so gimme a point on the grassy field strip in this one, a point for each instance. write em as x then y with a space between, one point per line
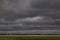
29 37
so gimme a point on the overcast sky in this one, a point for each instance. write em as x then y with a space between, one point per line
30 14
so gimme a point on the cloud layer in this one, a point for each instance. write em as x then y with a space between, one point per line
30 8
29 15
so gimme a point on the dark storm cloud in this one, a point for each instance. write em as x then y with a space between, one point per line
19 9
28 9
16 27
46 4
31 15
48 8
40 3
35 23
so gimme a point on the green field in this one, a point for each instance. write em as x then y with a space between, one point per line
29 37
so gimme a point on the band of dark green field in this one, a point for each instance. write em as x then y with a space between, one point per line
29 37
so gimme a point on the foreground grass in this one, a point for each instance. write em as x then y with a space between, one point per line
29 37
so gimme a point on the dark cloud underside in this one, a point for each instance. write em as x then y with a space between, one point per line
49 8
29 15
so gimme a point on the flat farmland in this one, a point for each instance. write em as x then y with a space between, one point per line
29 37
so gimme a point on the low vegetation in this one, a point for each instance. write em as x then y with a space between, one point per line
29 37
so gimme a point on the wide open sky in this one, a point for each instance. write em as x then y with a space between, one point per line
29 15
